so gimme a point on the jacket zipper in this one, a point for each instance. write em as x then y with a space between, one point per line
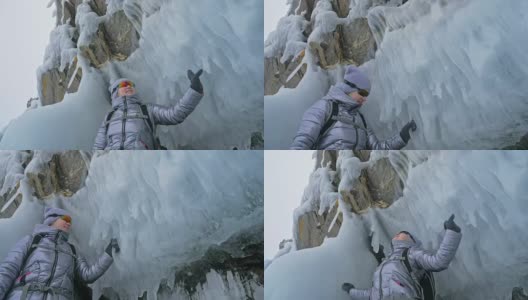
54 265
123 126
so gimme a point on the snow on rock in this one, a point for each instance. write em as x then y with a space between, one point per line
435 62
288 40
70 124
485 191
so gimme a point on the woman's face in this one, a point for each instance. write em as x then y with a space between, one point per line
402 237
60 224
126 91
358 98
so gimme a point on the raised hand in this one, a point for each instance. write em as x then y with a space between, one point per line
405 132
196 84
451 225
113 244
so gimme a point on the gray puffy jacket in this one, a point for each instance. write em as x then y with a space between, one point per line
128 128
348 132
392 280
52 264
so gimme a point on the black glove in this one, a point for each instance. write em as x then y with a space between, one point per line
347 287
195 80
404 133
380 255
113 244
451 225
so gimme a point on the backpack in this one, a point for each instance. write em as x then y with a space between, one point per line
144 110
426 282
34 244
331 120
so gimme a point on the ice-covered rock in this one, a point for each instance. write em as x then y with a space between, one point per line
484 189
431 61
184 231
153 43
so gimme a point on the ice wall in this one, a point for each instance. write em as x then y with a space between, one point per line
456 67
166 210
486 192
221 37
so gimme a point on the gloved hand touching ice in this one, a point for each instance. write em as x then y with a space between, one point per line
405 132
113 244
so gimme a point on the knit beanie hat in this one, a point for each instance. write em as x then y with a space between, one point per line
356 76
52 214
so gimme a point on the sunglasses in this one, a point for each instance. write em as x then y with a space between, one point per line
125 84
65 218
362 92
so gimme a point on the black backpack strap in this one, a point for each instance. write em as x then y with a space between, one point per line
363 119
107 120
405 256
144 110
157 143
34 244
73 249
330 121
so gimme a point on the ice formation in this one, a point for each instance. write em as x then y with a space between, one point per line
165 209
484 189
222 37
456 67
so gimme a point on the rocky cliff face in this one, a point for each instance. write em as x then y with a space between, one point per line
49 175
351 41
115 38
234 266
379 185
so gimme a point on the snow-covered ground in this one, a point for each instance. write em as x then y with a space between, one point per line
486 190
223 37
458 68
166 209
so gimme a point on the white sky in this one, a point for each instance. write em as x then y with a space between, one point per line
24 27
273 11
286 174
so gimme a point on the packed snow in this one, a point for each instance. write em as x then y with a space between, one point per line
486 192
458 68
165 209
222 37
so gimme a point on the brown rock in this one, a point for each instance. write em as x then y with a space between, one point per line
121 36
97 51
306 8
10 210
277 74
328 51
348 44
341 7
325 157
359 197
73 77
98 6
358 42
313 228
64 173
53 85
384 183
